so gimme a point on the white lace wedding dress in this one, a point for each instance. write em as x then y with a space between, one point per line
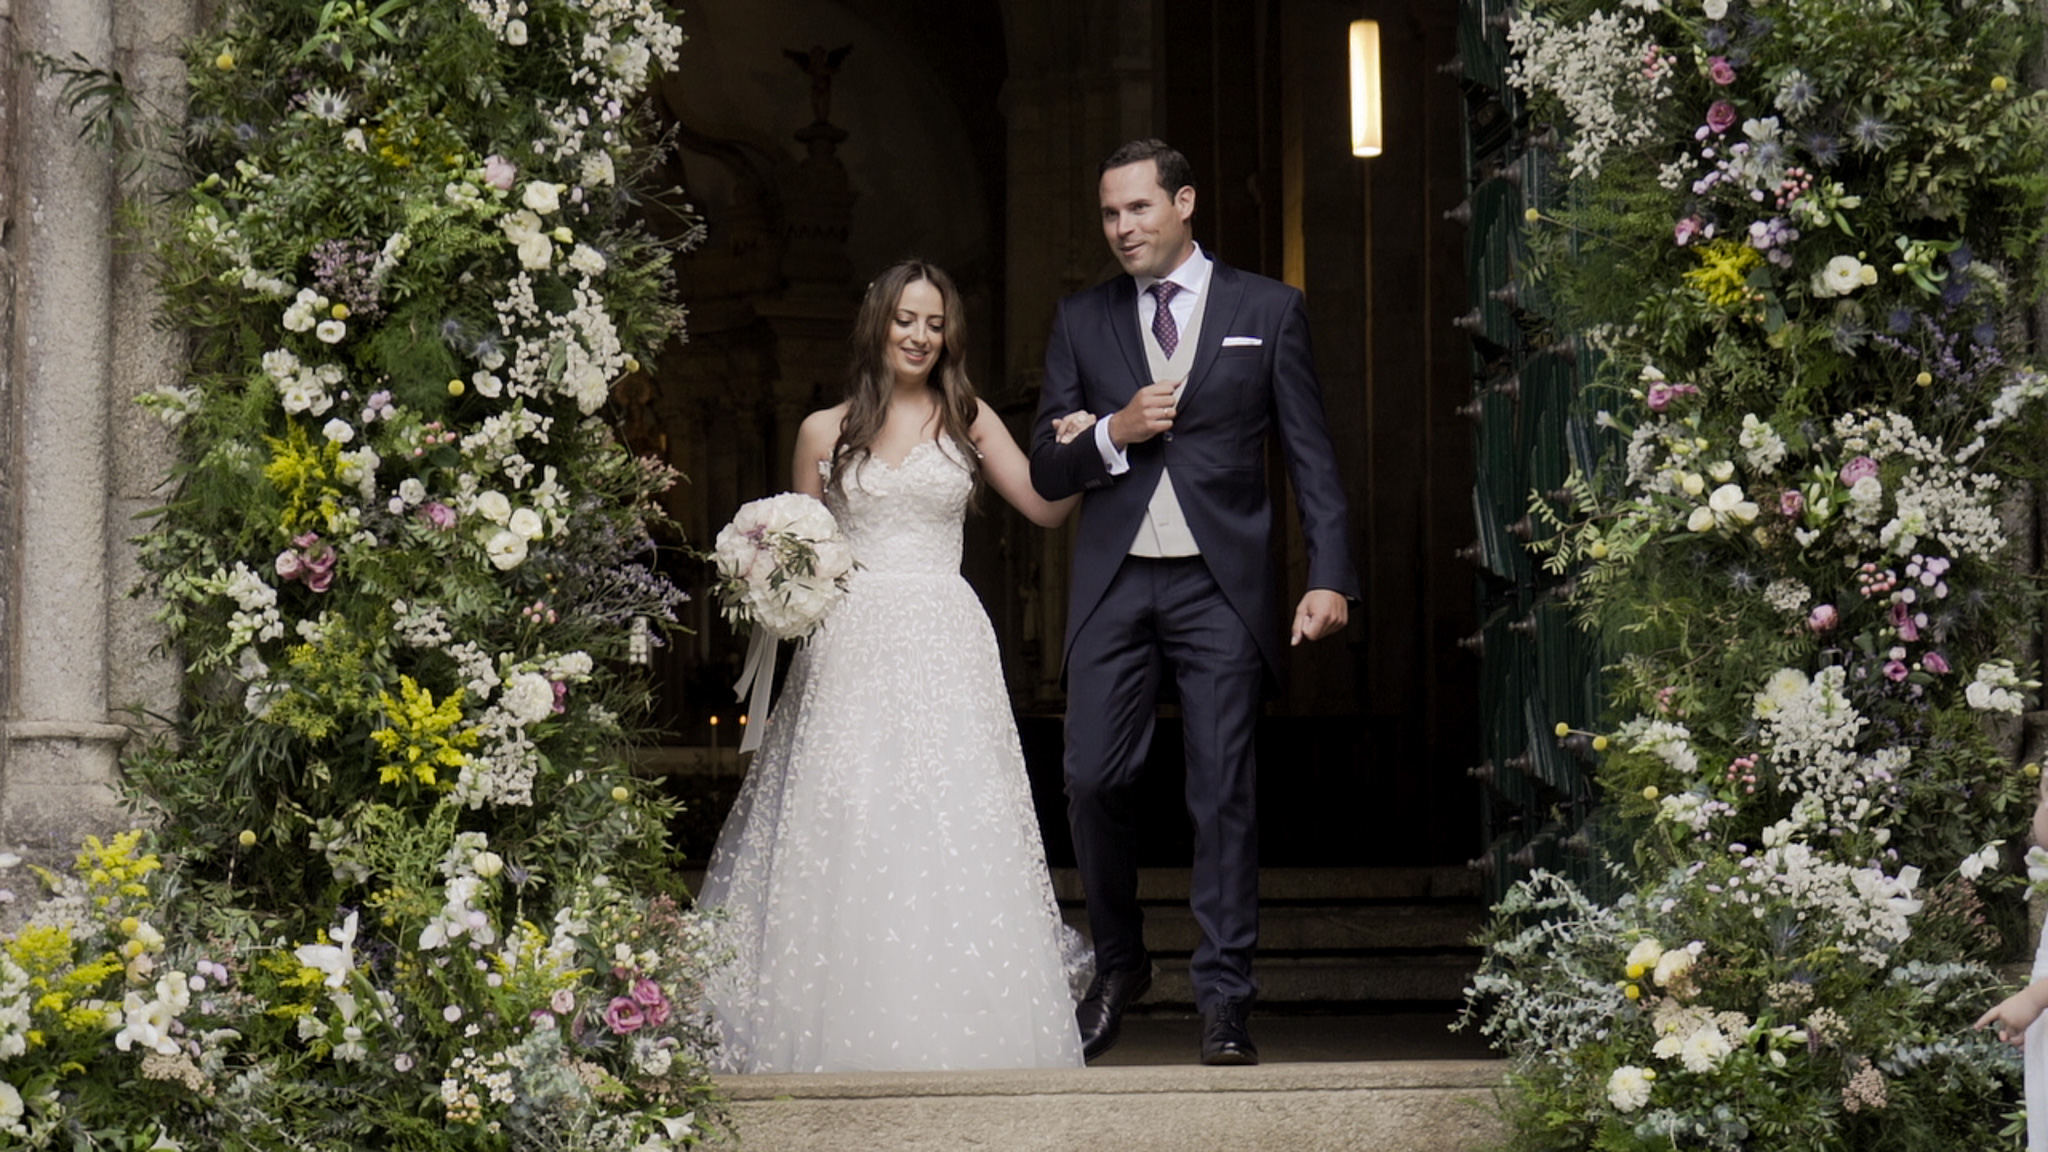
881 874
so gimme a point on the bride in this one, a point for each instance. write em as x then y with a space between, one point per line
884 888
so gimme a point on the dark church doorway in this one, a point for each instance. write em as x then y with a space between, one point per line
968 132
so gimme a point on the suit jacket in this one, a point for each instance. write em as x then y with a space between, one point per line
1236 396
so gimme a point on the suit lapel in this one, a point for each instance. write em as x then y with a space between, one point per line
1226 291
1123 320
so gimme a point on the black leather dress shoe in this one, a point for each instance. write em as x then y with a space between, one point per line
1225 1039
1101 1014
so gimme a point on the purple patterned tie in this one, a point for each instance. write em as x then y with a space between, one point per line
1164 329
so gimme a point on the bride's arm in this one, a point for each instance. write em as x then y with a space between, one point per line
1008 471
814 440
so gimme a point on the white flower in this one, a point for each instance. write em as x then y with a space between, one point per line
536 251
1714 9
330 331
494 506
515 32
1672 966
597 169
542 197
337 960
488 864
338 430
1842 275
1628 1088
411 491
1703 1051
587 260
1644 955
355 141
1974 864
507 550
1727 504
529 698
1701 520
525 522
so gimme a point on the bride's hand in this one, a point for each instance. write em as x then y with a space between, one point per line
1067 427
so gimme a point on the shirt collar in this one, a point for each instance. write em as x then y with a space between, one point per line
1192 275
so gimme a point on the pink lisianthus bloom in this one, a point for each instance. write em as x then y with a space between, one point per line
561 695
1823 618
1903 620
499 172
1660 396
1683 231
1720 70
623 1016
649 996
1791 502
289 564
1721 116
1935 662
1857 469
1896 670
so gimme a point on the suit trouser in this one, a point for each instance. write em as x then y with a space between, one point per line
1167 614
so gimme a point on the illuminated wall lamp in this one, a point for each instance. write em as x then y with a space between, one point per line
1366 136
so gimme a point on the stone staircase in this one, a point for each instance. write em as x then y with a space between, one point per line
1360 969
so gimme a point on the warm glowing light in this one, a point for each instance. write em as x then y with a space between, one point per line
1366 136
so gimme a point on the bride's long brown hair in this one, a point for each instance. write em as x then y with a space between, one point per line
869 381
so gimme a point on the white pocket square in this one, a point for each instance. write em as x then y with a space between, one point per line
1242 341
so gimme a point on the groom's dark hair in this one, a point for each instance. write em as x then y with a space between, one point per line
1175 173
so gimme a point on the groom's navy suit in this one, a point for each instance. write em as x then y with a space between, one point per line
1212 621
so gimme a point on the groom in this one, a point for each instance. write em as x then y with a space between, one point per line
1190 365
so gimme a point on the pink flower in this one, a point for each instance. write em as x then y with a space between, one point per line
623 1016
1720 116
289 565
1902 619
1895 670
499 172
319 579
563 1001
1935 663
1791 502
1721 70
438 514
1823 618
1857 469
561 694
1660 397
1683 231
648 995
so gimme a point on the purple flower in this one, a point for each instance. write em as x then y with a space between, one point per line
648 995
1720 70
623 1016
438 514
1935 663
1661 395
1683 231
561 695
1791 502
1902 619
1895 670
1720 116
289 564
500 172
1823 618
319 579
1858 469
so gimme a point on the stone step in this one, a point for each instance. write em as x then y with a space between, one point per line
1327 980
1384 1106
1343 885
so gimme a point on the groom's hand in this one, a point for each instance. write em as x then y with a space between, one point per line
1322 613
1149 413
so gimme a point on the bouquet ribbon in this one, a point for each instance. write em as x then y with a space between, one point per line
759 675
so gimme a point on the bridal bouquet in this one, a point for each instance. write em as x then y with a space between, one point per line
782 565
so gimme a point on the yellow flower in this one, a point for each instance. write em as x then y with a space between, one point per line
455 387
421 736
1650 792
247 839
1598 551
1723 273
1599 743
1632 991
620 794
1924 379
1563 729
1999 83
1532 215
339 311
2030 770
225 61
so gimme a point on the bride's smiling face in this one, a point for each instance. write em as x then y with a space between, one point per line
917 332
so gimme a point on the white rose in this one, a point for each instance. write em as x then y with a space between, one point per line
536 252
515 32
411 491
1715 9
542 196
1841 276
493 506
338 430
507 551
525 522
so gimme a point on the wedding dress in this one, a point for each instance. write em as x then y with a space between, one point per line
883 886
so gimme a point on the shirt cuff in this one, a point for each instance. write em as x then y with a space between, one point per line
1113 458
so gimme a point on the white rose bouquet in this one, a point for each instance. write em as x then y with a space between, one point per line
782 565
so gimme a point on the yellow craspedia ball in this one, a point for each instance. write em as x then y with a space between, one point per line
1635 971
1633 992
632 364
456 388
2030 770
1599 743
619 793
1598 551
1924 379
1563 729
1650 792
1999 83
225 61
130 926
247 839
1532 215
339 311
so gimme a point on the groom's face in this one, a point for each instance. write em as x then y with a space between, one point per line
1146 226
